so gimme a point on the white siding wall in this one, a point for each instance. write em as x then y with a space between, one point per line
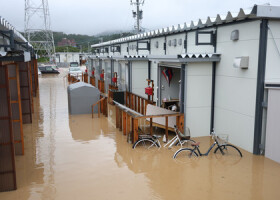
198 83
235 97
124 49
159 50
178 49
139 76
272 73
132 51
121 75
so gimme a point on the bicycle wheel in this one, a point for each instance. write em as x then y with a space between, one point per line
145 143
228 150
185 151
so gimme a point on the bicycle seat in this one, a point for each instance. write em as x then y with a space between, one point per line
195 144
156 136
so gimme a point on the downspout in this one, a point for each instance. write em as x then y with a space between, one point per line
260 86
214 64
149 70
182 100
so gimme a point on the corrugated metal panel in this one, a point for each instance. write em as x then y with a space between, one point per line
258 11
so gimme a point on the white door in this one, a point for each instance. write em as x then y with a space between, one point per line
272 147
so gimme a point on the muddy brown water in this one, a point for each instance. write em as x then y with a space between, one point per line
77 157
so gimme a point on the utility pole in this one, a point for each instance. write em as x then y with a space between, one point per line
37 27
138 15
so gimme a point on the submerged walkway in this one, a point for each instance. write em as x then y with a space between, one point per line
77 157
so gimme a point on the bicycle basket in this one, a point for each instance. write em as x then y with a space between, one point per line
222 138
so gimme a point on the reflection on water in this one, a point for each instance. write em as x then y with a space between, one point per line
77 157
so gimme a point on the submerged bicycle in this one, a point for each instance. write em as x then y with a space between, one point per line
224 148
147 142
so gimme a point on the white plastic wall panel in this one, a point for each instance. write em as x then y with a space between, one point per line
198 83
124 49
272 148
235 96
160 49
193 48
132 51
272 73
178 49
139 76
121 75
154 77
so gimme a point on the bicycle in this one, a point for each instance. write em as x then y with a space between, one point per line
224 148
179 138
147 142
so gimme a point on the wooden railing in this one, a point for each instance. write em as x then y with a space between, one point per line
101 86
137 103
92 81
85 77
99 107
129 121
110 94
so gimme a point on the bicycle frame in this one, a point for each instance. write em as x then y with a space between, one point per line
210 148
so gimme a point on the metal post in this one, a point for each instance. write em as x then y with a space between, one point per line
182 100
260 86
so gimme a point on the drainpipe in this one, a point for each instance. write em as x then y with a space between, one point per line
149 70
260 86
214 64
182 103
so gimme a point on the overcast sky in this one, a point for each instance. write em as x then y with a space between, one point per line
96 16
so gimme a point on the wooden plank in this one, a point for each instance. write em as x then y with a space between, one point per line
180 120
120 118
12 78
166 128
135 130
14 102
151 126
117 117
162 115
142 106
135 103
4 118
124 122
138 101
128 129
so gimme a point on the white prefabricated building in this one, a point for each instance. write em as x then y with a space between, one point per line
218 66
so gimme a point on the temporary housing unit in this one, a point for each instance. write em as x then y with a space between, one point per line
81 96
18 86
215 69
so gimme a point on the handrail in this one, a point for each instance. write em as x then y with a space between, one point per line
92 106
161 115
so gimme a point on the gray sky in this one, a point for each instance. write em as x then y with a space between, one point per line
96 16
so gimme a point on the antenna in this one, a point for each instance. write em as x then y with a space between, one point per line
138 14
37 27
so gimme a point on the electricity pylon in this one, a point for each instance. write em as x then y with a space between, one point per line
37 27
138 14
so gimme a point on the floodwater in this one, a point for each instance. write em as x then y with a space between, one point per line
77 157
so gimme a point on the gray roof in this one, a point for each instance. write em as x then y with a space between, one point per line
6 26
257 11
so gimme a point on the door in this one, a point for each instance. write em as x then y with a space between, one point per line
272 147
